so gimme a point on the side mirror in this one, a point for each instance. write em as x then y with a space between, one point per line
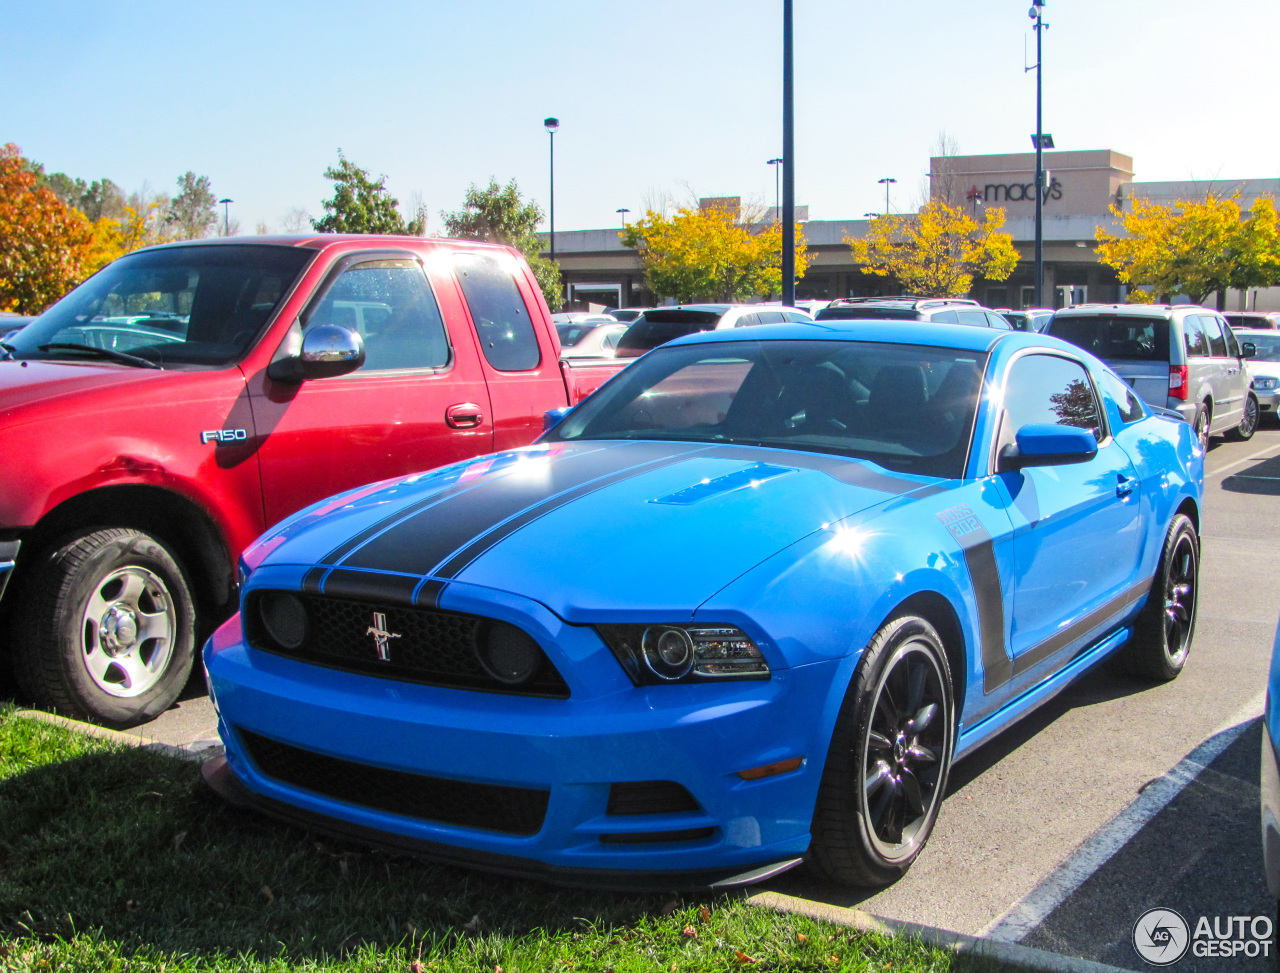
327 350
1048 445
552 417
1248 349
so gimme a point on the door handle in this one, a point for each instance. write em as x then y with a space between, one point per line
1125 485
463 415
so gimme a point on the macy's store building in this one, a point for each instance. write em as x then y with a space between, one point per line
1082 188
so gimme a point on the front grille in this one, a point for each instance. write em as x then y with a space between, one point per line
433 647
650 797
656 837
488 807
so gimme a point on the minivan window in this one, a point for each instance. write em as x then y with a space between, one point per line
1233 349
1193 336
1213 329
501 318
977 318
946 317
1115 336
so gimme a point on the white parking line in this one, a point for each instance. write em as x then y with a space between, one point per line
1024 916
1263 454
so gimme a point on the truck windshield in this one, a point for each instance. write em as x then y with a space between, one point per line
908 408
196 305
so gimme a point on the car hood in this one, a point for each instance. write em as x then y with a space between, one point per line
1270 368
29 382
594 531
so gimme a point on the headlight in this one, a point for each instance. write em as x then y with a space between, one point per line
656 654
1265 383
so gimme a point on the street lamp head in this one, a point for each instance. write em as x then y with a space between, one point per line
225 200
773 162
551 124
886 179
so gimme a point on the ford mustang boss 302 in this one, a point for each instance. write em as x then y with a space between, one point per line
744 605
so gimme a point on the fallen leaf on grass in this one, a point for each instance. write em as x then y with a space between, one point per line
670 907
473 926
267 893
131 905
178 839
690 932
415 966
705 914
742 957
801 937
833 959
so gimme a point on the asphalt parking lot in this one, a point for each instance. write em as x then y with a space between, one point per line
1115 798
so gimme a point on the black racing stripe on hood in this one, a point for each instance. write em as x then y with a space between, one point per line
844 469
420 543
354 542
428 596
486 541
396 589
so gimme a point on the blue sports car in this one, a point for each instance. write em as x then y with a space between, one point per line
741 607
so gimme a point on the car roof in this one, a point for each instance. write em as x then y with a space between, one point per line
321 241
1146 310
871 330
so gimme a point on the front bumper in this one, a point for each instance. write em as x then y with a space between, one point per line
1268 400
8 558
698 736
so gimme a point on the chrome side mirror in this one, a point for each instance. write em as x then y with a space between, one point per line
327 350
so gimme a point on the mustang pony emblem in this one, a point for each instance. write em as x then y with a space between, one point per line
381 636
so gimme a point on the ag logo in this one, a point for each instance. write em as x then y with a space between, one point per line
1161 936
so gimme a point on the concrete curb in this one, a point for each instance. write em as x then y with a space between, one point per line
198 751
1008 954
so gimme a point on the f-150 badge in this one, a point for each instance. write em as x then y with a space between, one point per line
224 436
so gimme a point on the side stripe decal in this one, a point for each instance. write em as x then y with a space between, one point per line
1059 641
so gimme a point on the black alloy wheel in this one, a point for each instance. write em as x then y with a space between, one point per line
1164 630
889 758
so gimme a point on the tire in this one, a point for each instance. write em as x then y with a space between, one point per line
890 754
1201 427
1248 422
1163 632
108 631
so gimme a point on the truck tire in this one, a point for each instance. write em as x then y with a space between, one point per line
107 633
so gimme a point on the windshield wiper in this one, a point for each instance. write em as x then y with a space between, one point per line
119 356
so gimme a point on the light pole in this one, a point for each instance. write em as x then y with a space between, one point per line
623 211
788 163
777 192
887 181
551 125
226 215
1042 142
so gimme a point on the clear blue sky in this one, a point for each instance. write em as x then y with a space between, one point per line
657 97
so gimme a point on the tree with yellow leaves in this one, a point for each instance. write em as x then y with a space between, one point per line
706 255
937 251
1193 248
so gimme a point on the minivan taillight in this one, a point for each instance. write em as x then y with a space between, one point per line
1178 382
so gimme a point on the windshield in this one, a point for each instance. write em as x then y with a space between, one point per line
906 407
845 312
183 305
657 327
1268 346
572 334
1115 336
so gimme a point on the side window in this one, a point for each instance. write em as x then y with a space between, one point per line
1233 349
1129 405
1193 335
1213 330
1046 389
946 317
746 320
996 321
770 317
797 318
390 304
502 320
972 317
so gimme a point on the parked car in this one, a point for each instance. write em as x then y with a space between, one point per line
1258 320
171 408
1028 319
1180 357
831 565
581 317
1263 368
662 324
628 314
591 339
944 310
11 324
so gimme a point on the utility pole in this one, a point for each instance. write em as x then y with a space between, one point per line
788 164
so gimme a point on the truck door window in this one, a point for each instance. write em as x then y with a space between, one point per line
501 318
390 304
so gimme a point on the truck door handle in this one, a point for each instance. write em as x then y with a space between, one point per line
463 415
1125 485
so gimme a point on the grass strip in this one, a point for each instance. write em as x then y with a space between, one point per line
116 858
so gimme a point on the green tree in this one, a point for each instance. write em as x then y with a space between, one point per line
937 251
97 199
708 255
194 211
362 205
1193 248
498 214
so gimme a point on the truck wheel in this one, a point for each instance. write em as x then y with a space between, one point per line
108 634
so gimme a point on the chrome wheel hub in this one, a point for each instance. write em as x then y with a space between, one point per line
118 630
127 632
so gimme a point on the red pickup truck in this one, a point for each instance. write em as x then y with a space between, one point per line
175 405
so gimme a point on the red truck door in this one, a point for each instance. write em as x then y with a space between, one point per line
419 401
514 334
